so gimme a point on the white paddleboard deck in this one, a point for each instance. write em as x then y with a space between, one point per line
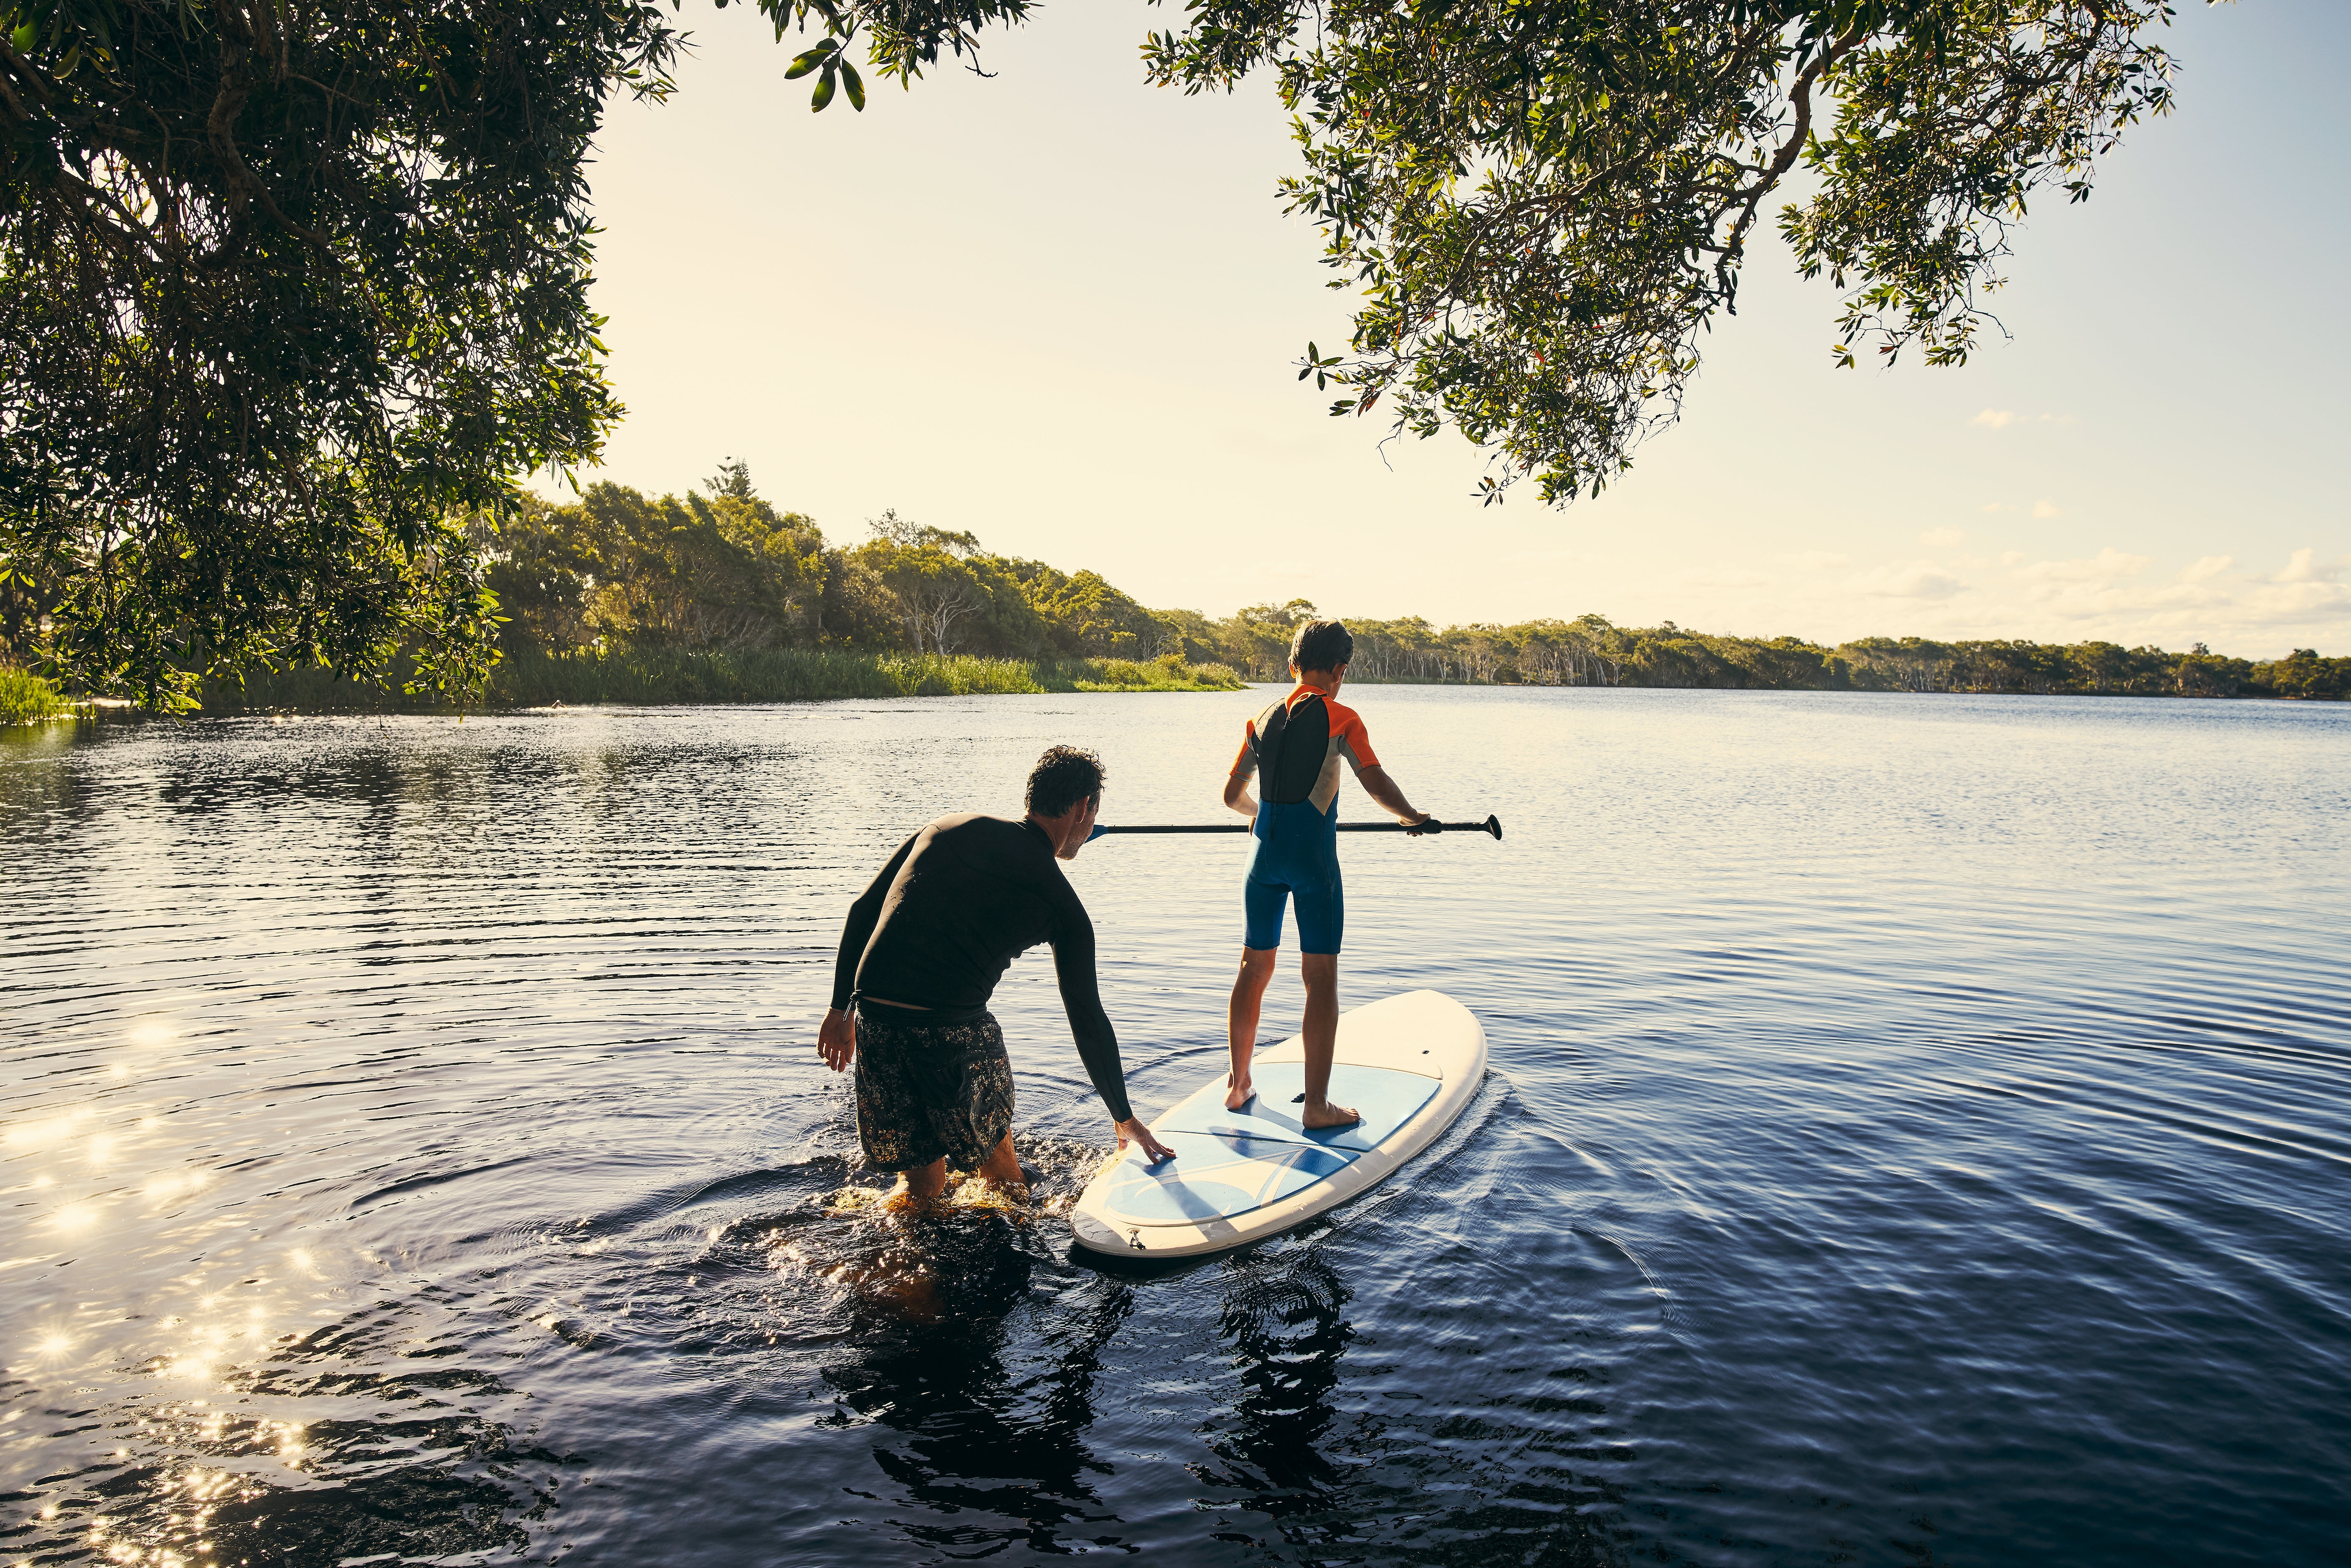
1410 1064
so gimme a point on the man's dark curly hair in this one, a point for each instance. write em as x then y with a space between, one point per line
1063 776
1322 646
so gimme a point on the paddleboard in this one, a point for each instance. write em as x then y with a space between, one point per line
1409 1064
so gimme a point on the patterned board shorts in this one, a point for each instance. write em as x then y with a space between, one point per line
927 1090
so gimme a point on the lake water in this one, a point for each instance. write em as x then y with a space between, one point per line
1917 1134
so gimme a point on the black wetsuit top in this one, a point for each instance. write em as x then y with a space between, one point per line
958 902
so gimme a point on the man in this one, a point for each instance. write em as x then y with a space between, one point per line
1294 748
919 959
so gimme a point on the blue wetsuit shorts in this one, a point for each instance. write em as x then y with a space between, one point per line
1295 855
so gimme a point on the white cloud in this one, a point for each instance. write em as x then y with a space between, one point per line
2001 418
2303 567
1943 538
1920 579
2093 587
2290 599
2108 566
2046 508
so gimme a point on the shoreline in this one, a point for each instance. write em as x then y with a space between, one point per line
656 678
644 678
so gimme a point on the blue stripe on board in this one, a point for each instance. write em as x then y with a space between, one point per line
1387 1098
1218 1176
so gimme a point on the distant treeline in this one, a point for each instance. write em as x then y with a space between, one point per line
716 597
1592 652
728 574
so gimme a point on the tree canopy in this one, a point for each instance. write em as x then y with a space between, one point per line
726 573
290 293
1545 201
293 294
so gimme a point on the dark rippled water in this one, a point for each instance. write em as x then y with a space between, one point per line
1917 1134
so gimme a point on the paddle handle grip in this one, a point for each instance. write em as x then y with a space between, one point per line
1492 825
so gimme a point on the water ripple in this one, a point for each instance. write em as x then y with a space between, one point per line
1917 1134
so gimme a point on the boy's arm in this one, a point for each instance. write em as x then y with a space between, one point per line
1237 795
1383 788
1356 748
1237 782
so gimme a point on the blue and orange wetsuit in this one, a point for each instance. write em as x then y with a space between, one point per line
1295 746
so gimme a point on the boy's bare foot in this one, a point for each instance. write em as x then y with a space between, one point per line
1316 1118
1239 1094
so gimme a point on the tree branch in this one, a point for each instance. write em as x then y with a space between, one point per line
236 87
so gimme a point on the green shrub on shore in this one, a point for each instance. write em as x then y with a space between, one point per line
655 677
27 699
1167 673
646 676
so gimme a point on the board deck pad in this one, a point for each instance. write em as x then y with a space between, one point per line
1385 1098
1409 1064
1215 1176
1230 1162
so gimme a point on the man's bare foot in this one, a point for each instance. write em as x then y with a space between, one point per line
1316 1118
924 1184
1239 1094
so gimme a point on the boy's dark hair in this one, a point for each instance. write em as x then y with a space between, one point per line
1063 776
1323 645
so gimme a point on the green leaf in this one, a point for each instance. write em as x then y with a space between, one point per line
856 88
824 87
25 38
809 59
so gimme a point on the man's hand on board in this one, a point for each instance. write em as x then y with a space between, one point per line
1154 1151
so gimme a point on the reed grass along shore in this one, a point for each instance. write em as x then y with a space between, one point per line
656 677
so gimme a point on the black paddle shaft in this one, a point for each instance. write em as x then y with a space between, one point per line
1490 825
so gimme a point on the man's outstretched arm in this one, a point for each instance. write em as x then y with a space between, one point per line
1073 967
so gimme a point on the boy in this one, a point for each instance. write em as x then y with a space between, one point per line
1294 748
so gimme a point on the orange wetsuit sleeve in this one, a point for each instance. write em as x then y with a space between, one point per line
1245 764
1353 740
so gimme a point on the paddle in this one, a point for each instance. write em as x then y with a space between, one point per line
1490 825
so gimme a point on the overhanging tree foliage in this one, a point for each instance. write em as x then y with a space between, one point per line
1544 201
290 291
291 294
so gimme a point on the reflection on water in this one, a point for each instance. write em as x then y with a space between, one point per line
1916 1135
1284 1316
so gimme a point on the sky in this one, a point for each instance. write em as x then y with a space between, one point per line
1062 309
